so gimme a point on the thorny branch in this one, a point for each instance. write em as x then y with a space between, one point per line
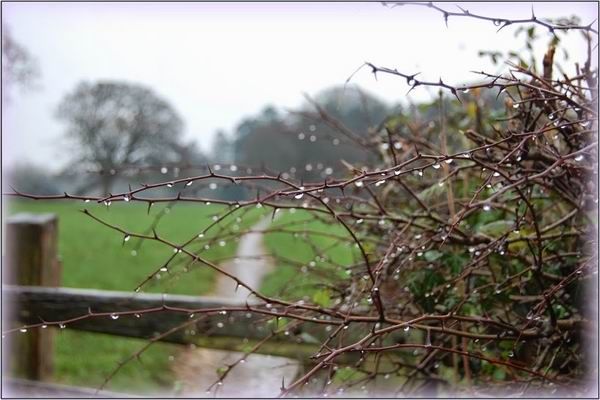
499 261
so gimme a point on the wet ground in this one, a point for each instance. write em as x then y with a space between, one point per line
260 375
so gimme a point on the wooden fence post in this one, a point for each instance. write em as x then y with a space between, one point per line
31 259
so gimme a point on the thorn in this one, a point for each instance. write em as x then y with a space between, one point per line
155 234
149 205
446 19
374 71
413 86
455 95
282 383
589 26
209 170
499 92
532 13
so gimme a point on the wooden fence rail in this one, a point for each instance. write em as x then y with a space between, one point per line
33 305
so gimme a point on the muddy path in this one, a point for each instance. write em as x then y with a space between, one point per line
260 375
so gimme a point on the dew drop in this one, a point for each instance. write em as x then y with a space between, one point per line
436 166
126 198
62 326
579 157
379 183
163 269
189 183
496 174
164 170
23 330
406 328
299 196
358 183
212 186
220 325
114 316
44 326
486 207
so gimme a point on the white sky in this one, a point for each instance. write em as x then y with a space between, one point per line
218 62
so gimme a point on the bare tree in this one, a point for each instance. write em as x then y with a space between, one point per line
115 124
19 67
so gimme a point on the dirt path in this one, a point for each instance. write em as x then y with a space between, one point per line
260 375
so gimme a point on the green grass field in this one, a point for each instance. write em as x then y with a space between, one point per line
95 256
303 271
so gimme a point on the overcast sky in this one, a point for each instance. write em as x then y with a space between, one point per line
218 62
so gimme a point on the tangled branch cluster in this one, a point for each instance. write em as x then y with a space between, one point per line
472 242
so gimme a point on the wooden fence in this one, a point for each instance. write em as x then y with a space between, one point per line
31 294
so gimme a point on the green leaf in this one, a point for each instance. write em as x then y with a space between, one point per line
322 298
433 255
497 228
499 374
308 338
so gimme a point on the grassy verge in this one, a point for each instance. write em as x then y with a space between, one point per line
95 256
